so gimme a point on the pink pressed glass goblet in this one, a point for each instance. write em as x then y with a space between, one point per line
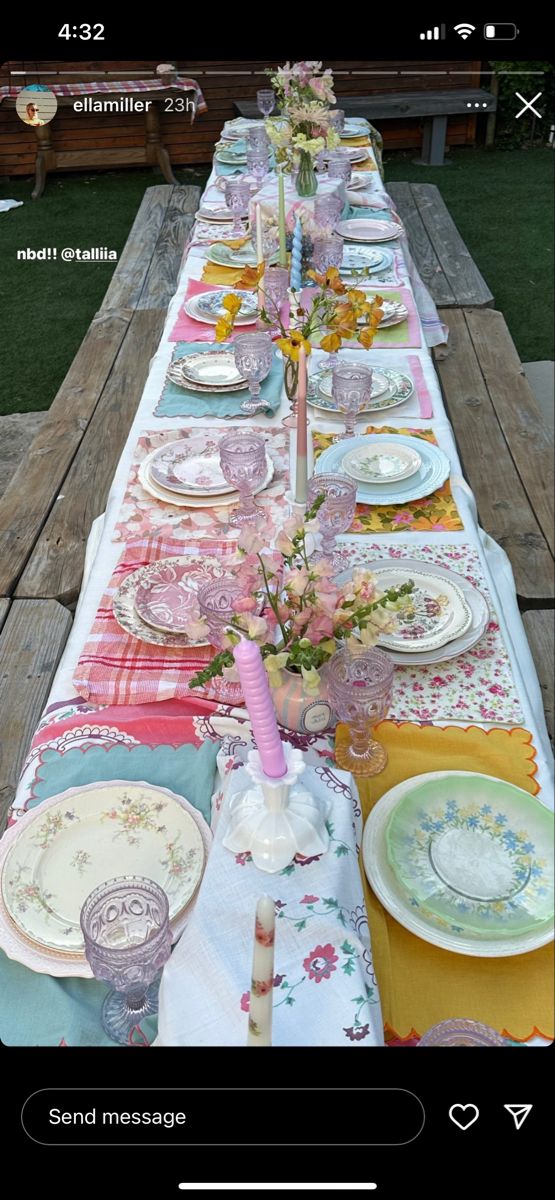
237 196
216 601
266 101
337 512
327 211
257 162
274 285
339 165
359 686
243 463
337 119
352 392
327 252
253 358
126 929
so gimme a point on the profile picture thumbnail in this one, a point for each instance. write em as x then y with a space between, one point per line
36 105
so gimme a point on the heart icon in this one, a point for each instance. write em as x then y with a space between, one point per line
468 1114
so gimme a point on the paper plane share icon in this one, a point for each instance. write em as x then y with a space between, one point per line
519 1112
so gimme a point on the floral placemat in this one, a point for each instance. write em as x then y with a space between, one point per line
437 513
477 686
141 514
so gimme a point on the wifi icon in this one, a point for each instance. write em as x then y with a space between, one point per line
464 30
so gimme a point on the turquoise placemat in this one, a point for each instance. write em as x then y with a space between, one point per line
180 402
39 1010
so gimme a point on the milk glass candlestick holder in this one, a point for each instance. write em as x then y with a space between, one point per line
352 391
359 686
243 463
126 929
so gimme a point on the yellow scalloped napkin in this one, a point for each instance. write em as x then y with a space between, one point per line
363 140
420 984
226 276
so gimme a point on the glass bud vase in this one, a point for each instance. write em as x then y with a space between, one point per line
306 182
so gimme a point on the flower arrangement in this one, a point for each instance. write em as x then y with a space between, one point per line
294 610
338 313
305 94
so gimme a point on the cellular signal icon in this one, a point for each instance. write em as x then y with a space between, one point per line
433 35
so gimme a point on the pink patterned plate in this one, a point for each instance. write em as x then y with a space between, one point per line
190 466
167 598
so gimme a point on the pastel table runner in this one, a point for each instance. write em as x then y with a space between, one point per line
178 401
437 513
419 983
324 985
142 515
116 668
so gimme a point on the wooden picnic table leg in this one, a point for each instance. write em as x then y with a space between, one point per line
433 142
155 149
44 149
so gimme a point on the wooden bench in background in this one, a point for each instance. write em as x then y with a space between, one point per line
48 507
434 107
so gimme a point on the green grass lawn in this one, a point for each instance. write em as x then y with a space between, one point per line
502 203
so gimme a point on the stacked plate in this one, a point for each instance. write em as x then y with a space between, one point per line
209 307
156 603
354 127
364 258
389 388
214 212
232 154
368 229
187 473
394 312
240 256
392 470
209 371
55 856
464 861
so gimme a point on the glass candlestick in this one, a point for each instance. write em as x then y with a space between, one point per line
126 929
359 685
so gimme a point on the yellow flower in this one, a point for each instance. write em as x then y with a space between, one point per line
251 276
232 304
223 329
311 680
331 280
366 337
290 345
274 664
331 342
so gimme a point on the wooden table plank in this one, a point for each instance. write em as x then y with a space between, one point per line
162 274
526 434
540 631
395 105
468 285
31 645
128 280
4 608
56 566
29 497
503 506
421 245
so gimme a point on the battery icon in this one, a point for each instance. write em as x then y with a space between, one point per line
505 32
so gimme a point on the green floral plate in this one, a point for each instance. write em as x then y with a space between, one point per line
70 844
465 861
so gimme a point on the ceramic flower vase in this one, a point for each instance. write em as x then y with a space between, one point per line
306 182
300 710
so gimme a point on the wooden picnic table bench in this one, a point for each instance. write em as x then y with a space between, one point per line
48 508
434 106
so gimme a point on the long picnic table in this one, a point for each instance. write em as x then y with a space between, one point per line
501 732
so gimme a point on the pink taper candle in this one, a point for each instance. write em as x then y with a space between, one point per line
301 471
256 690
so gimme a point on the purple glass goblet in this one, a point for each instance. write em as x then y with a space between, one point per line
266 101
359 686
274 285
335 514
237 196
327 252
253 358
126 929
337 119
459 1031
216 606
339 165
352 392
243 463
257 163
327 211
257 138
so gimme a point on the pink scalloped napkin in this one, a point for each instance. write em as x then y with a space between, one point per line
117 668
186 329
